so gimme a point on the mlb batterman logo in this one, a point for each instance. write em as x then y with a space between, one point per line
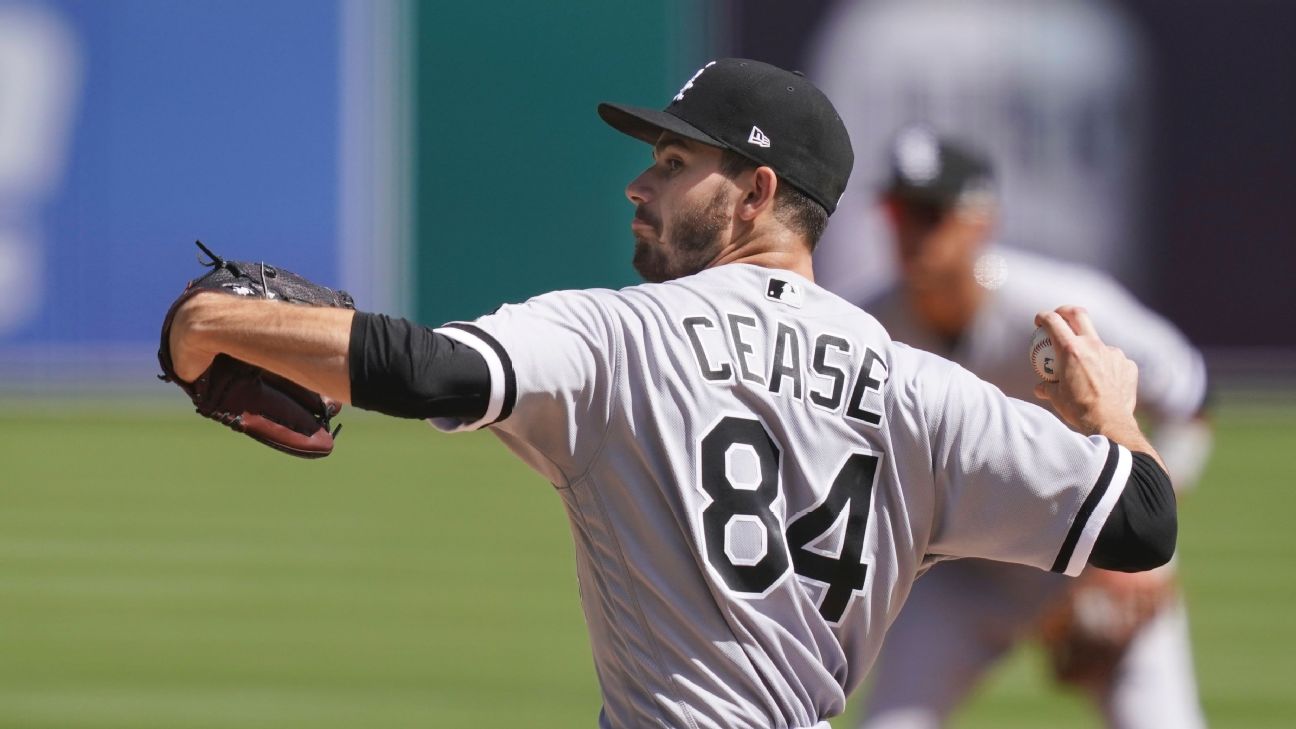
784 292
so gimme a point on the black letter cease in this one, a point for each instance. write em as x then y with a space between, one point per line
691 325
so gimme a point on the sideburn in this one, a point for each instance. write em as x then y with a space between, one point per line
697 232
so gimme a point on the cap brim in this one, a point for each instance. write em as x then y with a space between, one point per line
647 125
938 199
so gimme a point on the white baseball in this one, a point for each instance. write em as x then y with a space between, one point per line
1042 357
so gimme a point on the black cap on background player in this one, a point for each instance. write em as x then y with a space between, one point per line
936 174
774 117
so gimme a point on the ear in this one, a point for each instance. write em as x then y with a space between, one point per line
757 193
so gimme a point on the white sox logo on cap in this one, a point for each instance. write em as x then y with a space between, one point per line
689 84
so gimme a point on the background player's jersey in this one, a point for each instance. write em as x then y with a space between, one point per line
1172 375
755 474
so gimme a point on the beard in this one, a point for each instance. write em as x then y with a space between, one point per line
695 241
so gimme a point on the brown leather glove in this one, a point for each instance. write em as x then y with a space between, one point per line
1086 636
251 400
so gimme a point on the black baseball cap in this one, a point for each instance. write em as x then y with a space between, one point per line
934 171
773 117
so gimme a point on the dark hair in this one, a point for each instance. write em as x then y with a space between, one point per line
792 207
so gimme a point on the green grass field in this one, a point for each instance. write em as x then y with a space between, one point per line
157 572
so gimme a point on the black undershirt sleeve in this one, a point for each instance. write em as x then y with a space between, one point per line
407 370
1141 530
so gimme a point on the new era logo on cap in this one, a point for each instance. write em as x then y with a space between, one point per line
758 138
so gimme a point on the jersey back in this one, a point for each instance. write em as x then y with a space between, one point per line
755 474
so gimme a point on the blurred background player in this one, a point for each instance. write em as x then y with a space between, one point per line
1122 638
1055 91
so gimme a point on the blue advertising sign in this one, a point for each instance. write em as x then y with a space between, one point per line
129 129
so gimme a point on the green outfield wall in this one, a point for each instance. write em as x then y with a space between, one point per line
517 185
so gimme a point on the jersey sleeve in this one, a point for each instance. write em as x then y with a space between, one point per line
1012 482
552 363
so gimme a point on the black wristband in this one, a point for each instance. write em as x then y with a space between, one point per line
408 370
1141 531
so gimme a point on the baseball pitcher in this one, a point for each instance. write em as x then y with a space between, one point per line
753 470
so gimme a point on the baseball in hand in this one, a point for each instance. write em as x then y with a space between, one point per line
1042 357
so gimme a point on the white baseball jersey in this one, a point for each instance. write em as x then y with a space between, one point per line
755 474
